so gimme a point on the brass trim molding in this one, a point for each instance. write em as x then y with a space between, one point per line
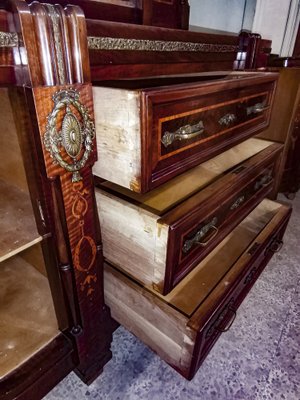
55 19
109 43
9 39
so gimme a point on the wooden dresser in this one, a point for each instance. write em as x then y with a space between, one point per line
181 256
135 141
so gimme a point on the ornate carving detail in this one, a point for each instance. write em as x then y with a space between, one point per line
9 39
75 138
55 19
109 43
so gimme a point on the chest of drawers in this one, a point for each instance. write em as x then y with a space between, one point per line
181 258
186 172
158 238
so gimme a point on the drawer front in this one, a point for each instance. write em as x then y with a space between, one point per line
183 131
207 225
224 315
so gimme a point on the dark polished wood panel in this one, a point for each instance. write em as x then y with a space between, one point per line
218 215
57 90
224 315
175 108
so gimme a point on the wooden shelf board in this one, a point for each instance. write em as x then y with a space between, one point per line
27 318
18 229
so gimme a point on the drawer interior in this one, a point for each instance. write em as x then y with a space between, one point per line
199 283
172 193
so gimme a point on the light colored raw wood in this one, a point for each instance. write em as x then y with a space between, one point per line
159 326
183 186
132 237
18 229
11 165
169 324
34 256
27 317
117 121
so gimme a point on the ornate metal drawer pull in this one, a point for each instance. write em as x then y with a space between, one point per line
183 133
276 246
188 244
215 326
227 119
265 181
239 201
249 278
257 108
228 326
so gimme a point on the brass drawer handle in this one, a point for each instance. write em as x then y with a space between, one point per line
215 325
227 119
276 246
249 278
188 244
183 133
239 201
257 108
228 326
265 181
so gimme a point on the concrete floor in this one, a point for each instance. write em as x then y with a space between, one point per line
257 359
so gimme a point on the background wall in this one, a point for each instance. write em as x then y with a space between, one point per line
224 15
277 20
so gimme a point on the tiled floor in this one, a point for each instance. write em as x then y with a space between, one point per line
258 359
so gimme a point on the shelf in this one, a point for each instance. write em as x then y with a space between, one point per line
27 318
18 229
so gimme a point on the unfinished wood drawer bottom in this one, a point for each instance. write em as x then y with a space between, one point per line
183 326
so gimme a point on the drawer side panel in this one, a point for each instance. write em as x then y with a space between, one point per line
117 119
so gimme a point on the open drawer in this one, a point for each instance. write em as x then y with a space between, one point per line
183 326
158 239
150 131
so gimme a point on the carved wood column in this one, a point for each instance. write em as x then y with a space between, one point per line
56 74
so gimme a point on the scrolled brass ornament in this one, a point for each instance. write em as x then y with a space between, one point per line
75 137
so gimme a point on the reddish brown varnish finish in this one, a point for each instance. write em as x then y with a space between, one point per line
64 210
216 320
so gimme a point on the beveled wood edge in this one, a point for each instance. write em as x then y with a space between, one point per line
252 165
